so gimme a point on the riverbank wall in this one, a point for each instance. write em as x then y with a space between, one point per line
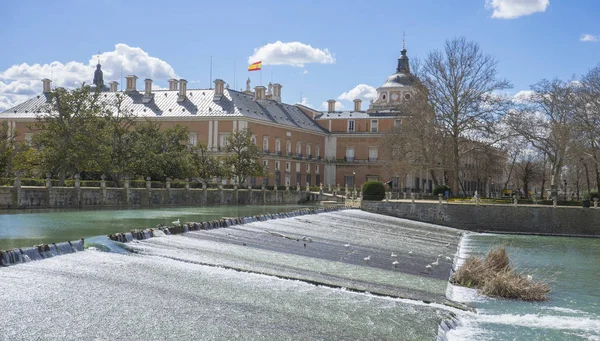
88 197
519 219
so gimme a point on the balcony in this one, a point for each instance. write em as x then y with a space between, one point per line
278 153
298 155
349 158
265 151
318 157
372 159
309 156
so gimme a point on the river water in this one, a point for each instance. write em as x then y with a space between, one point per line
329 276
299 278
30 227
571 266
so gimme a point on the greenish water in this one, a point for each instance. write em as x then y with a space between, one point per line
32 227
571 266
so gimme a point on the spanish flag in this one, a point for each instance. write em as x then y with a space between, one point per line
255 66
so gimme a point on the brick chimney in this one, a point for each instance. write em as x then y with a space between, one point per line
219 86
46 85
277 92
173 84
331 105
130 85
259 93
113 86
148 87
182 90
357 104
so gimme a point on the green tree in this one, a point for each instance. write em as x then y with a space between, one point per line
205 165
67 142
7 147
241 161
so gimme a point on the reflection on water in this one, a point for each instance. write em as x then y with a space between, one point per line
26 228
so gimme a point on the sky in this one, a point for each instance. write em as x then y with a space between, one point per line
318 50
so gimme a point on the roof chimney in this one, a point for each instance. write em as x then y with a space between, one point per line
331 105
113 86
277 92
259 93
46 85
219 84
357 104
182 90
130 86
173 84
148 89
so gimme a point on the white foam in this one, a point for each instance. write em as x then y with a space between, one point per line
543 321
565 310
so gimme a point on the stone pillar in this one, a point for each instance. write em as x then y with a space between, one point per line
221 193
275 189
595 202
77 189
149 190
412 197
205 191
103 189
515 200
127 188
298 186
263 188
188 199
17 190
48 181
554 201
168 184
48 195
236 197
477 199
534 198
440 197
404 194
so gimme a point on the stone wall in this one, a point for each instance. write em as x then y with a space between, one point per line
530 219
55 197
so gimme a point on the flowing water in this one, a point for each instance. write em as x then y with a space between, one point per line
32 227
572 268
329 276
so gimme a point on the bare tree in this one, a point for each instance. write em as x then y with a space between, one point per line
588 119
463 85
546 121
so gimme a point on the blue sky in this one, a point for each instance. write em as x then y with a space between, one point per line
343 43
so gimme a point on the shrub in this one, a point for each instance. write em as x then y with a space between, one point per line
494 277
373 190
441 189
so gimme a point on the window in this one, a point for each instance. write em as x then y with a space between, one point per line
266 164
349 153
254 139
373 154
28 138
287 166
265 144
192 139
317 169
287 179
308 168
288 147
307 179
350 126
407 97
374 126
308 154
398 123
297 167
278 146
372 178
277 165
299 149
318 152
223 140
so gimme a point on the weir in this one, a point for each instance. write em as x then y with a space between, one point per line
27 254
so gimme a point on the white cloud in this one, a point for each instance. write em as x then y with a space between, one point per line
523 96
304 102
20 82
589 38
361 91
305 71
510 9
293 53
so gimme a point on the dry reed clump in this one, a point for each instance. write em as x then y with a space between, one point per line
494 277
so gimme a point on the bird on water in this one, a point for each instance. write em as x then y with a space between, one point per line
395 263
394 255
436 263
177 222
368 258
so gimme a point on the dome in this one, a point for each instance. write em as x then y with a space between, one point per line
399 79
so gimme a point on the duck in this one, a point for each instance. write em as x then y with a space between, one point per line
410 252
428 267
395 263
436 263
448 258
394 255
347 246
177 222
368 258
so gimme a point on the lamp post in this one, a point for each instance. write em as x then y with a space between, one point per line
565 189
354 184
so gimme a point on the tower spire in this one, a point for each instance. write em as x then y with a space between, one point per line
404 40
98 76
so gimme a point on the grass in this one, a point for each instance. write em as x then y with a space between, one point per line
494 277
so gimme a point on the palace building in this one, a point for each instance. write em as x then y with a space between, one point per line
300 145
